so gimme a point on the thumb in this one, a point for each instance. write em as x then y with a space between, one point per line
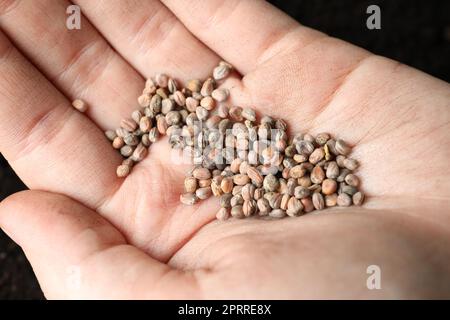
76 253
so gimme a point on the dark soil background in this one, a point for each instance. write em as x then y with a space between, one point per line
416 33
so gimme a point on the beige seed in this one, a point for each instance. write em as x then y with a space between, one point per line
118 143
358 198
235 165
318 201
263 207
191 104
215 188
271 183
284 201
188 198
110 135
204 183
222 111
225 200
227 185
179 98
220 95
350 164
248 191
304 181
322 138
221 71
241 179
139 153
190 184
144 100
332 170
352 180
254 175
208 103
300 158
201 173
223 214
307 204
317 155
207 87
128 124
237 190
294 207
172 85
203 193
194 85
249 208
249 114
235 114
80 105
236 200
161 124
344 200
331 200
277 213
126 151
329 186
145 124
123 171
297 172
162 80
301 192
237 212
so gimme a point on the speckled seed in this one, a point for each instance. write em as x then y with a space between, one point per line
194 85
221 94
304 181
145 124
225 200
190 184
248 191
301 192
350 164
332 170
126 151
208 103
144 100
255 175
241 179
249 114
350 190
236 200
331 200
188 198
236 190
203 193
297 172
318 201
322 138
340 161
358 198
131 140
304 147
202 113
329 186
271 183
294 207
249 208
342 147
223 214
118 143
277 213
161 124
139 153
222 111
317 175
123 170
201 173
263 207
215 188
221 71
227 185
237 212
128 124
235 114
352 180
344 200
342 174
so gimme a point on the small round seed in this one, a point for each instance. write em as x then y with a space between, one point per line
225 200
318 201
145 124
207 87
110 135
297 172
222 111
190 184
331 200
301 192
249 208
304 181
221 71
241 179
220 95
227 185
203 193
352 180
162 80
249 114
329 186
80 105
172 85
255 175
235 114
322 138
123 170
208 103
128 124
307 204
317 155
191 104
223 214
236 200
342 147
194 85
201 173
237 212
188 198
344 200
358 198
350 164
179 98
317 175
144 100
118 143
271 183
126 151
139 153
294 207
332 170
277 213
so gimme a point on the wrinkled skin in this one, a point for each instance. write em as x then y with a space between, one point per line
132 238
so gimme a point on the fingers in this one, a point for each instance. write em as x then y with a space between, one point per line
245 33
147 34
80 62
49 144
77 254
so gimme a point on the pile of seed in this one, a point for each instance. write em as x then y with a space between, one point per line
252 166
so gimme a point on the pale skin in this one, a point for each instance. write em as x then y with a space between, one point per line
132 238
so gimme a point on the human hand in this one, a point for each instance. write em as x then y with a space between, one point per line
132 238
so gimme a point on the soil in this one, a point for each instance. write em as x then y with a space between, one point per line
416 33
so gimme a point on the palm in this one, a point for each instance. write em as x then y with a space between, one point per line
315 83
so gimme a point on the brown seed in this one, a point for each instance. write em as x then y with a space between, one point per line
241 179
235 165
332 170
297 171
277 213
128 162
222 111
329 186
221 71
301 192
236 200
271 183
304 181
161 124
201 113
317 175
317 155
235 114
331 200
352 180
223 214
249 208
139 153
318 201
254 175
123 170
201 173
259 193
118 143
188 198
274 199
227 185
80 105
204 183
190 184
207 87
208 103
220 95
300 158
131 140
342 174
225 200
358 198
307 204
237 190
179 98
284 201
194 85
153 135
203 193
350 190
128 124
172 85
162 80
322 138
167 105
342 147
145 124
237 212
215 188
263 207
191 104
350 164
344 200
304 147
294 207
